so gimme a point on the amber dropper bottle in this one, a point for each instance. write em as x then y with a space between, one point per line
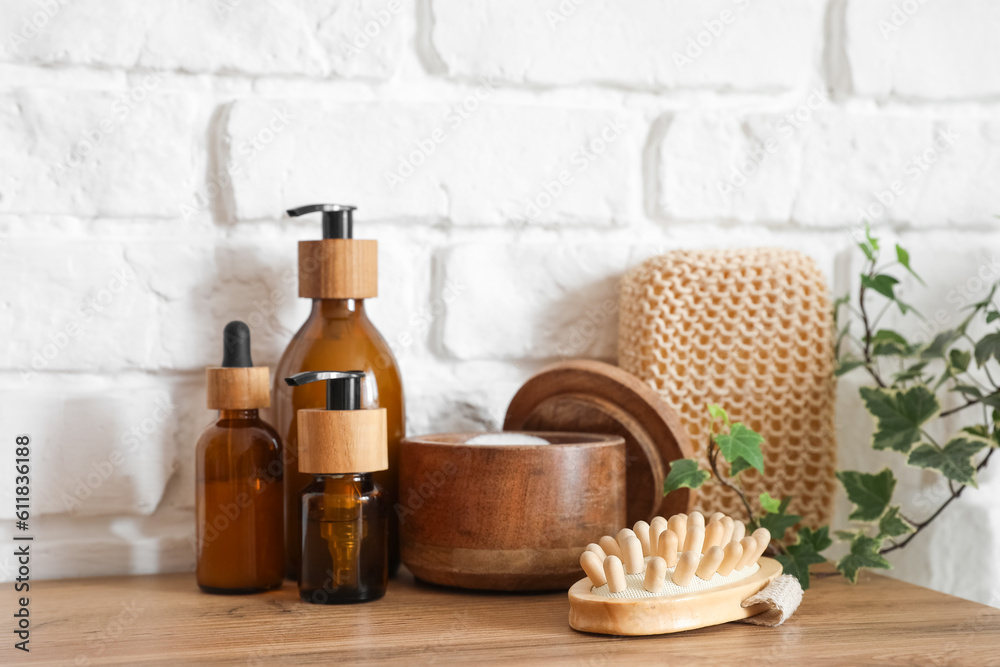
344 512
238 486
338 272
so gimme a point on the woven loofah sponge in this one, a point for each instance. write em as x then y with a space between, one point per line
751 331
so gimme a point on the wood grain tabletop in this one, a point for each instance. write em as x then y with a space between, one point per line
165 620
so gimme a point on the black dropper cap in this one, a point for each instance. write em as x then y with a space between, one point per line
343 388
236 345
338 219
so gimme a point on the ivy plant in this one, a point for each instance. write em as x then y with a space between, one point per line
910 382
734 448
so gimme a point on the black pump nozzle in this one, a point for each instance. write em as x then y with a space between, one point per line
236 345
338 219
343 388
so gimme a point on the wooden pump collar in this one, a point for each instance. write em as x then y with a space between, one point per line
338 269
338 442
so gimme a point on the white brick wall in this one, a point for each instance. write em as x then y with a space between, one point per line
512 159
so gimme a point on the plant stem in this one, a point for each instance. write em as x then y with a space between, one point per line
955 493
952 411
869 365
713 455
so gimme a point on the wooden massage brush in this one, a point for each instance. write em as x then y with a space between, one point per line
670 575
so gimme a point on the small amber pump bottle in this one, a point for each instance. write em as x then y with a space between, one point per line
238 488
344 512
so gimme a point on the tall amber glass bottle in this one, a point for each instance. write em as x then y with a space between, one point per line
338 273
238 497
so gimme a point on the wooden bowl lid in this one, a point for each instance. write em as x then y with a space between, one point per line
594 397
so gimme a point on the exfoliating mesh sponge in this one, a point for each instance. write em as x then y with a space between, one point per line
750 330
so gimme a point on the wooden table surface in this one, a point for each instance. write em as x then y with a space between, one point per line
164 619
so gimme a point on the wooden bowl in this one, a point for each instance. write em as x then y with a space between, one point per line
507 517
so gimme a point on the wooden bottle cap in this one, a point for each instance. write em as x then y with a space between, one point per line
238 388
338 442
338 269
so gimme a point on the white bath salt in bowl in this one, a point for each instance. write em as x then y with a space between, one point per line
507 439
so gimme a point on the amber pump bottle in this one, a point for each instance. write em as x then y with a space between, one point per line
344 512
238 498
338 273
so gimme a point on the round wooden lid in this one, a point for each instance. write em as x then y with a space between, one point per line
338 269
594 397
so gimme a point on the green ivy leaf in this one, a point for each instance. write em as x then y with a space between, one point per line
968 390
892 525
882 283
992 400
954 460
960 360
988 347
992 316
846 366
805 552
869 493
738 466
817 540
937 347
869 253
977 430
886 342
899 414
684 473
845 535
741 443
716 412
914 372
778 524
864 553
772 505
903 258
872 241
